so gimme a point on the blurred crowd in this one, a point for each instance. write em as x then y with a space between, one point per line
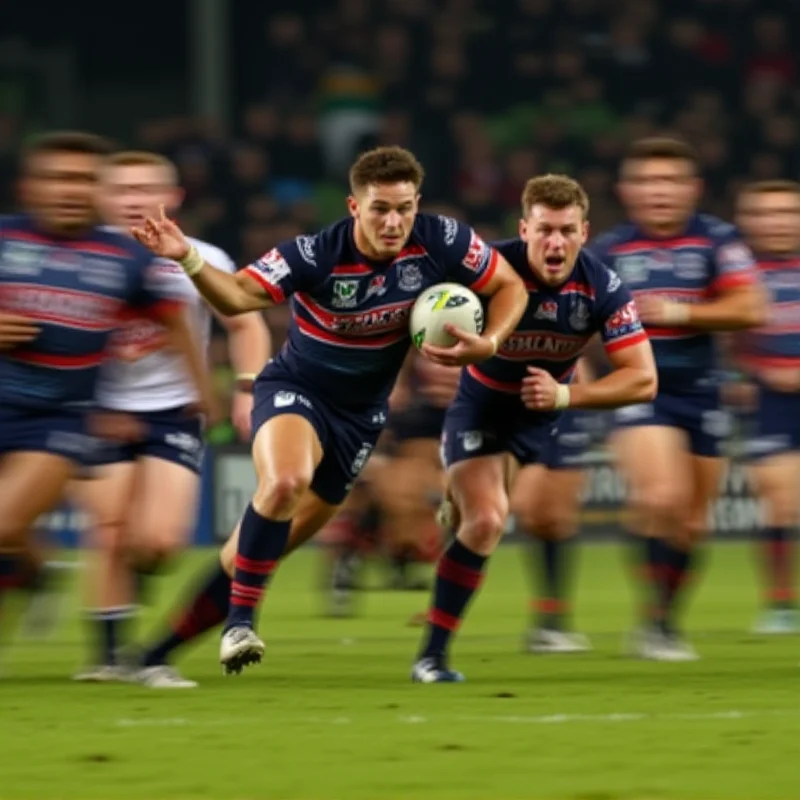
487 94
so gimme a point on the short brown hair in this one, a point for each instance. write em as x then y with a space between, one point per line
66 142
143 158
775 186
386 165
554 191
667 147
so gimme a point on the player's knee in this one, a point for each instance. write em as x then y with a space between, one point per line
158 550
107 536
279 498
482 527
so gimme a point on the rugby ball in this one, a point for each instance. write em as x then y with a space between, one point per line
440 305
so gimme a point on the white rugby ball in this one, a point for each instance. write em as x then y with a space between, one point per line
442 304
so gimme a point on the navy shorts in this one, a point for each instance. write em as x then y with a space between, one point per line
43 431
576 432
481 422
417 422
698 412
347 436
174 435
773 427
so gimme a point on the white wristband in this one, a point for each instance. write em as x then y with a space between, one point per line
562 397
676 313
192 262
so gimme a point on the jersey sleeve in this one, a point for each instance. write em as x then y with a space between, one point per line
163 289
618 318
733 264
292 266
468 260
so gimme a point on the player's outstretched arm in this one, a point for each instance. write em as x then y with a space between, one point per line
228 294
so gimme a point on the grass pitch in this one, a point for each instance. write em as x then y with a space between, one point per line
331 715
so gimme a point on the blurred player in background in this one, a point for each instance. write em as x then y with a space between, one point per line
143 494
507 408
691 276
545 501
769 357
64 285
321 402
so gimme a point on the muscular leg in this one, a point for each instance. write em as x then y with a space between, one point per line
478 487
775 480
32 484
546 504
107 498
656 466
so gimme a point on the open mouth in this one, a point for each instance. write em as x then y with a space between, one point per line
554 263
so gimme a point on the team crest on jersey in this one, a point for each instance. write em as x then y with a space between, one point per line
579 314
632 269
472 441
409 277
305 246
345 294
376 287
547 310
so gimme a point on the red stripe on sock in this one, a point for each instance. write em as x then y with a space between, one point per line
443 620
248 602
454 572
548 605
243 590
256 567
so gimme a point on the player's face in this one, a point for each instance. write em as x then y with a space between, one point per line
660 193
61 189
770 221
384 215
130 193
554 238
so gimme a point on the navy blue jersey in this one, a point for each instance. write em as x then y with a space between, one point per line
349 333
559 321
708 258
777 342
76 290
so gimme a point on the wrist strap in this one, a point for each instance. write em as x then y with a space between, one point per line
192 262
562 396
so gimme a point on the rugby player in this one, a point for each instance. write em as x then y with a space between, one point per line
64 285
143 494
320 404
691 276
508 407
768 214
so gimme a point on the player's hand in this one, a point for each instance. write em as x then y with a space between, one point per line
16 330
539 390
241 409
660 312
781 379
163 237
469 349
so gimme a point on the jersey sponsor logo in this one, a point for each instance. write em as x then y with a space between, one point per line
306 246
661 260
409 277
623 320
181 440
548 310
690 266
84 310
376 287
136 339
450 228
629 414
21 258
360 459
734 257
106 273
345 293
273 267
478 253
614 282
551 346
579 314
632 269
379 320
